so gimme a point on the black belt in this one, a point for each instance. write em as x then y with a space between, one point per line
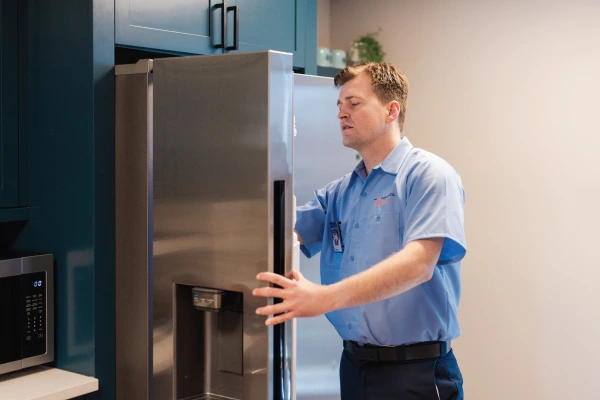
411 352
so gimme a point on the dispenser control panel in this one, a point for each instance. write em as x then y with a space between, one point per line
216 299
208 298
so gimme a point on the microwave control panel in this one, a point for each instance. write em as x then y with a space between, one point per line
34 314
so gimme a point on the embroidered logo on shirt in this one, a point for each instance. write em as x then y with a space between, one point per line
383 200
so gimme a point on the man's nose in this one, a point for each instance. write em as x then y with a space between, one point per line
342 114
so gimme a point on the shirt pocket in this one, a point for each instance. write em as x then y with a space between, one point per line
330 268
334 260
382 237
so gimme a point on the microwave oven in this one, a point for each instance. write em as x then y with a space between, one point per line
26 311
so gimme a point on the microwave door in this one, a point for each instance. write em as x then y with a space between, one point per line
10 328
26 312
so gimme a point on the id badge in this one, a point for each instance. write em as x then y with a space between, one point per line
336 237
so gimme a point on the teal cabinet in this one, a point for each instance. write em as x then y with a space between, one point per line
262 24
9 105
305 54
66 126
213 27
269 25
181 26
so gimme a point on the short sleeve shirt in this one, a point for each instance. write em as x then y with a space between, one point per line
411 195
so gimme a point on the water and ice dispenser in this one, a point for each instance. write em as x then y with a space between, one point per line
208 343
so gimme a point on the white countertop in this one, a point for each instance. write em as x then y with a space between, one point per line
43 383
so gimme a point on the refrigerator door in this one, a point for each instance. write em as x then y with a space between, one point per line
319 158
219 194
133 230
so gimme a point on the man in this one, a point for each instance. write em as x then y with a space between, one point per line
391 287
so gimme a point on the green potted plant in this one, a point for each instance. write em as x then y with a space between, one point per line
366 48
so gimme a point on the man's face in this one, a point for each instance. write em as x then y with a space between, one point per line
361 114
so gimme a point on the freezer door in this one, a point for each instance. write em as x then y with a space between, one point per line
319 158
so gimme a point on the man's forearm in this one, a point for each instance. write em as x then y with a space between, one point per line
398 273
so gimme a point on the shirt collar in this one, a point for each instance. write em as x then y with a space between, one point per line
392 162
361 170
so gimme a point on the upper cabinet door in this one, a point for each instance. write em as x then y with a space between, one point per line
9 99
262 25
186 26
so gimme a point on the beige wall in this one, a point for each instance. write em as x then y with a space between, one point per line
508 92
323 29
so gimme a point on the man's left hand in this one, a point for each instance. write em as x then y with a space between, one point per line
301 297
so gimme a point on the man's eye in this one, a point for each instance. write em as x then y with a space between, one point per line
354 104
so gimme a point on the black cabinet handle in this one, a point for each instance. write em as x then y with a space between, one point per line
236 26
222 6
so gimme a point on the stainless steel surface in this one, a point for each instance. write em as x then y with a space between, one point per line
141 67
27 265
133 215
219 135
11 366
10 267
319 158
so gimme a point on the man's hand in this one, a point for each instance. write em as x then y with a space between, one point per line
301 297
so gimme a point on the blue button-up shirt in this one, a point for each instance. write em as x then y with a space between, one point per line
411 195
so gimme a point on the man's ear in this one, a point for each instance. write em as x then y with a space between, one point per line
393 108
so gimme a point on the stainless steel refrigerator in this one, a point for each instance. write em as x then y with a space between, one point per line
204 201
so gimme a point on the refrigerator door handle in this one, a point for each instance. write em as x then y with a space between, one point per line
279 268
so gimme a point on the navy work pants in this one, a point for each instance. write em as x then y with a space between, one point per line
431 379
